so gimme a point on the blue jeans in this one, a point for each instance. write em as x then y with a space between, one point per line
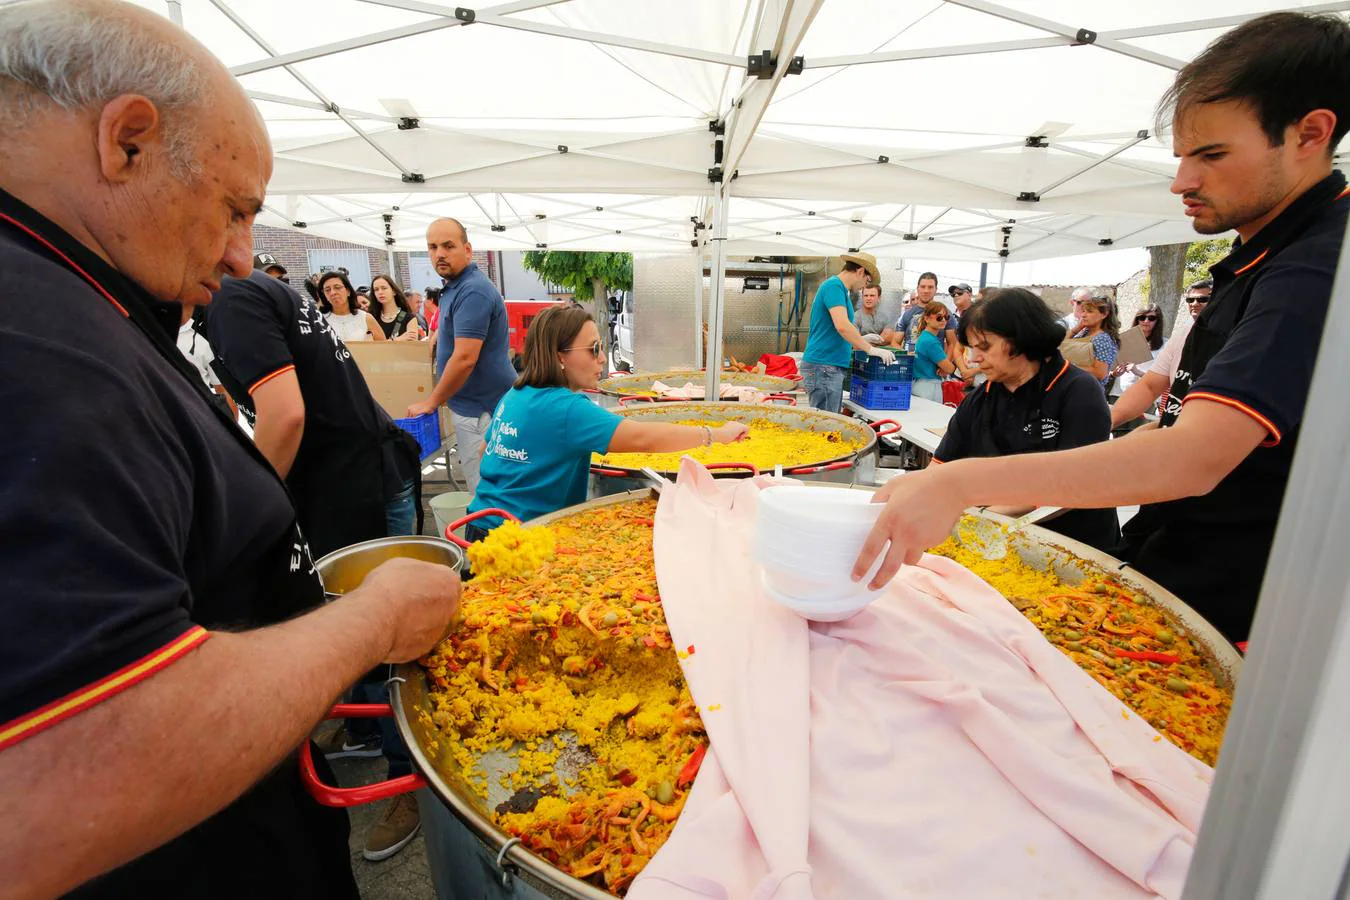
824 386
400 512
371 689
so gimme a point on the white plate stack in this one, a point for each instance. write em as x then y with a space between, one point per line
807 539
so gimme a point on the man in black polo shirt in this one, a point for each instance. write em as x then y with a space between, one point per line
1256 120
162 656
350 469
352 472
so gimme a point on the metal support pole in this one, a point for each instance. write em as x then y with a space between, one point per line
984 274
176 12
717 304
1002 265
697 356
393 266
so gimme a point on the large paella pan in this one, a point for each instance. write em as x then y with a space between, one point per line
484 791
807 443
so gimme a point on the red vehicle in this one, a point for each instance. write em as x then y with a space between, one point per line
519 315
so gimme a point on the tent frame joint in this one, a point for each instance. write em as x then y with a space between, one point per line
1085 36
763 64
1028 197
465 15
413 178
408 123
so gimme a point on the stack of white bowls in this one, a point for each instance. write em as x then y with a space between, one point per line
806 540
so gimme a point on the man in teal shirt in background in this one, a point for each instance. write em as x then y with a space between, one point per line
833 336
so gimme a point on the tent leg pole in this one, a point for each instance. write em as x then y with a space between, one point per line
1002 265
393 266
717 308
698 305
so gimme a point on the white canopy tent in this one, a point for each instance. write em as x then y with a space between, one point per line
1020 129
912 128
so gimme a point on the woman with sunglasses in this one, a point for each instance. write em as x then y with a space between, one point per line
931 362
538 454
1149 321
1097 322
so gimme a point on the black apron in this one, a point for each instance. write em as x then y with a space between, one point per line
275 840
1212 551
1099 528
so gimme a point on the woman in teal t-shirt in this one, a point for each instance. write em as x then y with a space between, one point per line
538 453
930 356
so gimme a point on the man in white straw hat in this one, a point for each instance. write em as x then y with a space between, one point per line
833 336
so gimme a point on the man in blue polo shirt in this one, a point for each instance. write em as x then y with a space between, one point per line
833 335
473 354
1256 119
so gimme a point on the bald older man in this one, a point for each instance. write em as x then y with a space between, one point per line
166 647
473 345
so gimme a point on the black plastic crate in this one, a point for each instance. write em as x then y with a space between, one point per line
873 369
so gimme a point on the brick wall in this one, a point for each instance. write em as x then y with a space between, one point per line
291 248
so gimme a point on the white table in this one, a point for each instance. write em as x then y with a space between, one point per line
915 422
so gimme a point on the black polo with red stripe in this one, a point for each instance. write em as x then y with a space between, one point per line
1253 350
1061 407
137 519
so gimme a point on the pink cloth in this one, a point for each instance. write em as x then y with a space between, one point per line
934 745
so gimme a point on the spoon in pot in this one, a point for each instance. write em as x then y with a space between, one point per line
990 539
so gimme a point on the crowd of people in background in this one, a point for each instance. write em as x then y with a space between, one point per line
1092 337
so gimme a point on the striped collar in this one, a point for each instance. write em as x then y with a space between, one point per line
1247 256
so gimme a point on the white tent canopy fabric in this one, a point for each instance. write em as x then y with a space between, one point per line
951 129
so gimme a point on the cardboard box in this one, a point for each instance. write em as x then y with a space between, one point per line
399 373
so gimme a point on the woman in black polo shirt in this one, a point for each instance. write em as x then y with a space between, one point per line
1034 401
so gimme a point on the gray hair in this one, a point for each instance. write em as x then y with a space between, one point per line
77 55
1083 293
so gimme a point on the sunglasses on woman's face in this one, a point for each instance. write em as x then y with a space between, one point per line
594 348
1148 318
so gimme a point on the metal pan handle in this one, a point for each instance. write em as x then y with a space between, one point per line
753 470
611 473
812 470
788 399
623 401
459 523
327 795
879 426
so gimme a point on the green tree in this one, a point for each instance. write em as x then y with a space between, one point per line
1200 255
587 276
580 272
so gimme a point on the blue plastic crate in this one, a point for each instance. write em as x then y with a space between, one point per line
873 369
427 430
880 394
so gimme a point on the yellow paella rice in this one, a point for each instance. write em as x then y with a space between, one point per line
1136 650
769 444
577 646
511 549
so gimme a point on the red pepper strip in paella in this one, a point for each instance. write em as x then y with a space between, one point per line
690 770
1149 656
